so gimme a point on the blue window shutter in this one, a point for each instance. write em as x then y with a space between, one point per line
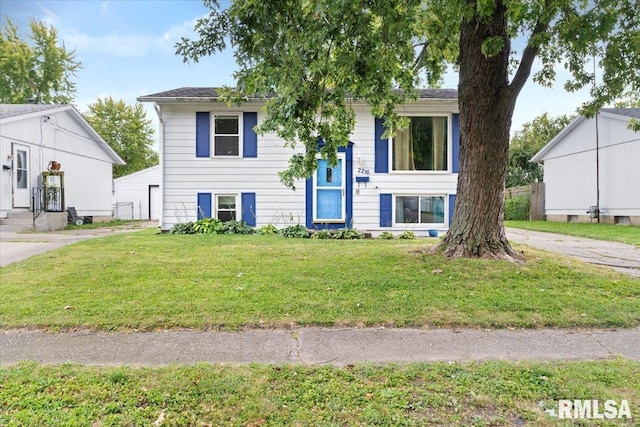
452 206
455 134
386 210
249 136
249 208
204 205
203 133
381 148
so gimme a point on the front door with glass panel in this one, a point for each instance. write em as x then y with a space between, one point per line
21 192
329 192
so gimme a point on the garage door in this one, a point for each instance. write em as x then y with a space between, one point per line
154 202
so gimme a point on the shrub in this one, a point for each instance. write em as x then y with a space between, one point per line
407 235
237 227
386 235
321 234
295 231
209 226
183 228
268 229
517 208
348 233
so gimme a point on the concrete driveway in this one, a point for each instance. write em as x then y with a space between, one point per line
618 256
16 247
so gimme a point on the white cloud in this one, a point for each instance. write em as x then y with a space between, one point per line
114 45
128 45
50 18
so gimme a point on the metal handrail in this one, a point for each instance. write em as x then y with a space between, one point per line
37 201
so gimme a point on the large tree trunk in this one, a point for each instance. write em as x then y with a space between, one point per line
486 107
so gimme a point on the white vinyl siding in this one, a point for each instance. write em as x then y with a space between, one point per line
185 175
86 165
570 169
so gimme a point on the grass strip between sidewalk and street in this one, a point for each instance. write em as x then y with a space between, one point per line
439 394
614 233
149 281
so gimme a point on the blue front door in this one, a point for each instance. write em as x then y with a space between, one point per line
329 191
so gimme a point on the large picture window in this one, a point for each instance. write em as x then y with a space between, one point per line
420 209
226 136
226 207
422 146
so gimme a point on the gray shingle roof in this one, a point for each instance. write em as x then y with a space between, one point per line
628 112
11 110
211 93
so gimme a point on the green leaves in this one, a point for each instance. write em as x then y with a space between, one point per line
40 70
127 130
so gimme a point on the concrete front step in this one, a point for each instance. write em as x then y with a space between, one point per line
20 214
21 222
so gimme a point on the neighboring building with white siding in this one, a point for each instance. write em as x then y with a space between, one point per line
34 135
137 195
571 169
213 164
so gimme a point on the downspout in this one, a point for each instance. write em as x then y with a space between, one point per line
158 110
597 170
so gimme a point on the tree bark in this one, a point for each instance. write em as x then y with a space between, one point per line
486 106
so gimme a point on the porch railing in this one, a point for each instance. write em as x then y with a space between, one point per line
37 201
46 199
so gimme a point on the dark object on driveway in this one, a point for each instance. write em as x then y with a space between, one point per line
73 218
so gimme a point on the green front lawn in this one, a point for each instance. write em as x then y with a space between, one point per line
615 233
145 281
440 394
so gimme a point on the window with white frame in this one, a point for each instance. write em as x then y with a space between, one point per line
226 207
422 146
226 135
420 209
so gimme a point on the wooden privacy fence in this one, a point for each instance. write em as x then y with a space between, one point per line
535 194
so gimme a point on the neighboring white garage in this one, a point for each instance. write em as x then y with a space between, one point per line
137 196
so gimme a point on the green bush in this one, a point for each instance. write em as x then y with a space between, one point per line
348 234
517 209
386 235
209 226
322 234
295 231
183 228
237 227
268 229
407 235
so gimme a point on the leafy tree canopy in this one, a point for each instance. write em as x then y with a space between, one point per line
526 142
318 57
127 130
39 71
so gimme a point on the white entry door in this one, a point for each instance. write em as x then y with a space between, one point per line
21 171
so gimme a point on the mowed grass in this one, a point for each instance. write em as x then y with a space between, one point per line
614 233
440 394
149 281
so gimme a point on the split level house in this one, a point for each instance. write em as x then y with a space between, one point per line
213 164
52 159
594 163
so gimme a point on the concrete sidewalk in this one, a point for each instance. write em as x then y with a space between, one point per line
316 346
618 256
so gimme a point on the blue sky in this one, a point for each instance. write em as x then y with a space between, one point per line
126 48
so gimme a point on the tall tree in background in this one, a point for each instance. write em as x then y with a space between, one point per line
526 143
313 53
39 71
127 130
